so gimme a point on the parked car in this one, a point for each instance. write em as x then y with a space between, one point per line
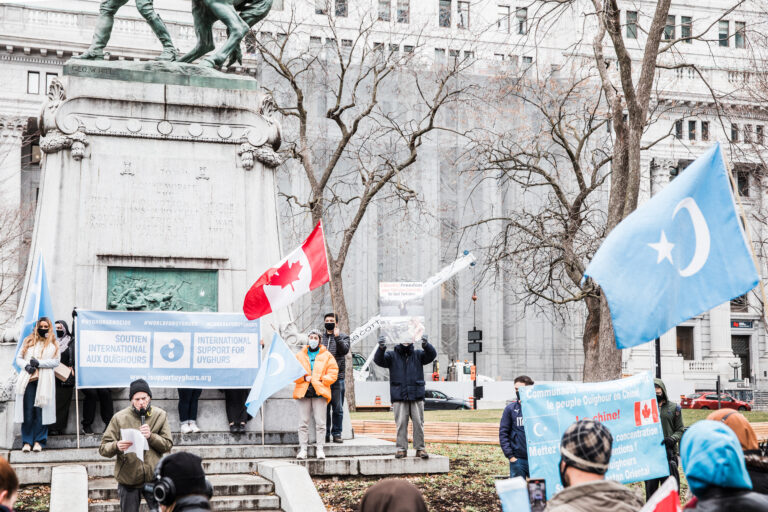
437 400
708 400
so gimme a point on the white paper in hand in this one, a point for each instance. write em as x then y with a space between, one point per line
139 441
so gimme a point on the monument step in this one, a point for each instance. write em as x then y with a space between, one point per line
202 438
100 489
219 503
40 472
362 446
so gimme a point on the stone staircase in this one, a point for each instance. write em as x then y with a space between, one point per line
230 461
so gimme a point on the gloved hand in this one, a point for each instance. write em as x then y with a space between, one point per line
424 339
382 342
30 369
670 442
34 363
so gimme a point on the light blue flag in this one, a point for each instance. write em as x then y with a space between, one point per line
278 369
38 305
681 253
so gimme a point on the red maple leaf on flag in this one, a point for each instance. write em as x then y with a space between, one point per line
286 275
646 411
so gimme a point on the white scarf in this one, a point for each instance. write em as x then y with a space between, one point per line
44 383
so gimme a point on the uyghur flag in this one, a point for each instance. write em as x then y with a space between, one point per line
278 369
38 305
303 270
680 254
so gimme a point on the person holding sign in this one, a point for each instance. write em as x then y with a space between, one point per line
512 432
406 389
135 467
35 387
338 344
313 391
585 452
672 425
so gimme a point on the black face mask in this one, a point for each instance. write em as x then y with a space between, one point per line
59 333
329 326
517 394
42 332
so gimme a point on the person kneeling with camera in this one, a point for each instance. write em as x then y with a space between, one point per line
180 484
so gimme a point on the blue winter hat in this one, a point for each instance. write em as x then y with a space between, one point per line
712 457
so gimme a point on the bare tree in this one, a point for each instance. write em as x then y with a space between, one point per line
351 146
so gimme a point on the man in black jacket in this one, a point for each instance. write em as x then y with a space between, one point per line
337 344
406 389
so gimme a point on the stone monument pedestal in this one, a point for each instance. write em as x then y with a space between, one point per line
151 174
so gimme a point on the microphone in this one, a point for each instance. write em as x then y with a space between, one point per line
143 415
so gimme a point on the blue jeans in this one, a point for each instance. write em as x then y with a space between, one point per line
335 413
518 468
32 429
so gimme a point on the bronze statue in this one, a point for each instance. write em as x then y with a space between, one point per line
103 30
238 16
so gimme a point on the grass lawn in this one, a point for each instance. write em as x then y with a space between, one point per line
690 416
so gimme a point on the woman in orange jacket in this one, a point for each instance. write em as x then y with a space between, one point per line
313 391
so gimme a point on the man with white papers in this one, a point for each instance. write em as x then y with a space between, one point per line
138 435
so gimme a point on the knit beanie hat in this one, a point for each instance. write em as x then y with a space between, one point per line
740 426
138 386
186 471
586 445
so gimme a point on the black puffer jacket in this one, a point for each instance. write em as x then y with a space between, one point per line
720 499
192 503
406 370
757 467
339 347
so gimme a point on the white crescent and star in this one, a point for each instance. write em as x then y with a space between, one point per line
536 426
280 364
701 234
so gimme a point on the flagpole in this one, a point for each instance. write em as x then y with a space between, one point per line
748 234
328 265
262 422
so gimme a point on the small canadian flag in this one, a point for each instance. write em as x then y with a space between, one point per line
303 270
646 412
665 499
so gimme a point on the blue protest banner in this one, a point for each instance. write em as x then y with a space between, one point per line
627 407
168 350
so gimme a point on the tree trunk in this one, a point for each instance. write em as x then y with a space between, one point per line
340 308
602 360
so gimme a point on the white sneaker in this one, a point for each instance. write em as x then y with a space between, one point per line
186 428
193 426
320 453
302 453
26 448
37 448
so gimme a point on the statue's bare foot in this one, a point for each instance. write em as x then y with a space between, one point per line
207 62
91 54
169 54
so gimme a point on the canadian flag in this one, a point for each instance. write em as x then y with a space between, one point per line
646 412
303 270
665 499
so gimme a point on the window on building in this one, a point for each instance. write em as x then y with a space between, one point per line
394 48
321 7
407 48
705 130
739 34
341 8
462 12
385 8
33 82
723 32
631 24
346 44
740 304
277 5
403 11
742 182
502 23
734 133
527 60
454 55
747 133
499 56
691 130
378 47
686 29
469 55
250 42
685 342
315 42
444 17
49 78
521 20
440 55
669 28
679 129
759 134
